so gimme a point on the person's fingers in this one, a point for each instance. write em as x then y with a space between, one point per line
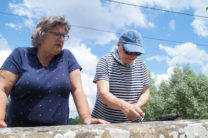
139 110
3 124
132 114
101 121
98 121
136 114
89 120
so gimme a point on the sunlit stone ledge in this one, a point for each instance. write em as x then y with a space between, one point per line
153 129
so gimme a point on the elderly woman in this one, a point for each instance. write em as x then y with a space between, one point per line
39 80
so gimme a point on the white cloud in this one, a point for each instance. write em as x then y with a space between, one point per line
90 88
27 9
3 43
85 58
29 23
11 25
199 24
200 27
172 24
73 111
186 53
158 58
3 55
109 15
92 13
88 62
162 77
4 50
15 26
205 69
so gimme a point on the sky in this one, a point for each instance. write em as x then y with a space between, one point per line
169 38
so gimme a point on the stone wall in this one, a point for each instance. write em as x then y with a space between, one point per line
154 129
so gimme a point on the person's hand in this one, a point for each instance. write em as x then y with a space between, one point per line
139 110
90 120
3 124
132 112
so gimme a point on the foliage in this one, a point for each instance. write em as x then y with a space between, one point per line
155 106
185 93
76 121
8 101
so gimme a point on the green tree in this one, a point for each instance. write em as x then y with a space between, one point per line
154 107
184 101
76 121
8 101
185 93
202 96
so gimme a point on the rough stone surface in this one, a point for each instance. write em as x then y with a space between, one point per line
154 129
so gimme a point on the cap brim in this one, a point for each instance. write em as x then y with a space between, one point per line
133 48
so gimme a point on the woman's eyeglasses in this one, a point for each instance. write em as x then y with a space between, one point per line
59 35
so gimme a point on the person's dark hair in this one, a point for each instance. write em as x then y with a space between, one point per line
46 23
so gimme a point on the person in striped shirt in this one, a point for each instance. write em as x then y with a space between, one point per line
122 81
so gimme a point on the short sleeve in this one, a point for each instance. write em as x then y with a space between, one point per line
71 61
101 71
13 62
146 76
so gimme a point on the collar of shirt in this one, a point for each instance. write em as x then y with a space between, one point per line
118 59
33 51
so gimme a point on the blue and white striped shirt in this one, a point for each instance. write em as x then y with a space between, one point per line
125 81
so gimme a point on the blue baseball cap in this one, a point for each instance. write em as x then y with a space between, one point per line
132 41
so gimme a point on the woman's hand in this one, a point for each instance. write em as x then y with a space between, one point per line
89 120
3 124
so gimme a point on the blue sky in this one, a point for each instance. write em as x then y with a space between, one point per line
88 45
